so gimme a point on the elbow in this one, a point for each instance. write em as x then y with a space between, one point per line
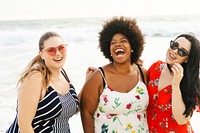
24 126
181 120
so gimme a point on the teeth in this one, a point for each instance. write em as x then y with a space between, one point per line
172 56
57 59
119 50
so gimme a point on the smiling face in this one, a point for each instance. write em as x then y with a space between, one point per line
57 60
172 56
120 48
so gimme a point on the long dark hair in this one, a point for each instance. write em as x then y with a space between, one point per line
190 82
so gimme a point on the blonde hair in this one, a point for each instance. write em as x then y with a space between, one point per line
37 64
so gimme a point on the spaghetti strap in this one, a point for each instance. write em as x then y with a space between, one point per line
103 76
141 73
65 75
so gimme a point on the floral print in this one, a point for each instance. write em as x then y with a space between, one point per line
160 117
117 103
122 112
105 99
128 106
104 128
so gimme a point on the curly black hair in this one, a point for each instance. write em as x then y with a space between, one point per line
129 28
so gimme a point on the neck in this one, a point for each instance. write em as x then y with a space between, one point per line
125 68
56 73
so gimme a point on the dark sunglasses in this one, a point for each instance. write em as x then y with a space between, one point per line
181 52
52 50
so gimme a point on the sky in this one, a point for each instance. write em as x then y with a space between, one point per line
45 9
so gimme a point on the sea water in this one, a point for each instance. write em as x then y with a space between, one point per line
19 44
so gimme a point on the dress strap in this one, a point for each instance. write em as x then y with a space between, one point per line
141 73
65 75
103 76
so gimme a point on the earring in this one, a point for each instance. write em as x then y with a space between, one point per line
131 51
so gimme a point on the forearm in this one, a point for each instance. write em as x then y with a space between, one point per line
25 128
178 106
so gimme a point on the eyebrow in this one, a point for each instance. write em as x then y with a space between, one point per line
182 47
119 39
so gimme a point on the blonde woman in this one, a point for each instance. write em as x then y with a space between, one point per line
46 96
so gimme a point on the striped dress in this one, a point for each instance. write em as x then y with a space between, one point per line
48 109
52 106
70 104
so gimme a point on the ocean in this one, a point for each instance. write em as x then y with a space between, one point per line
19 44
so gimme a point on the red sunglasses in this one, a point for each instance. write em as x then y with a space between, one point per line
52 50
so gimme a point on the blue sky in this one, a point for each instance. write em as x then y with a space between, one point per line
43 9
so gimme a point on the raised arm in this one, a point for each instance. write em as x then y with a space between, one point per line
178 106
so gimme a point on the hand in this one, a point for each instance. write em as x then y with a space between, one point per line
177 70
89 72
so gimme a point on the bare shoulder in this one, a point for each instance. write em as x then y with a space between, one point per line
93 84
144 71
91 91
32 80
95 76
34 77
30 90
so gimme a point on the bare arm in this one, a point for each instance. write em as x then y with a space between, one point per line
28 99
89 101
178 106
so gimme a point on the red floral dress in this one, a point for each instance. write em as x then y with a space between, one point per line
159 111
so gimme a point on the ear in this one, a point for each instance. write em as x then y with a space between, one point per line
186 60
41 55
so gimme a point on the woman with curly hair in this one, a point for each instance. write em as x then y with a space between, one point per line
174 87
114 99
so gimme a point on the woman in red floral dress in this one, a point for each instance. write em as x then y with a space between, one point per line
173 87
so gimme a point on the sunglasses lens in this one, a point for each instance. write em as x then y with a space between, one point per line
181 52
62 48
51 51
173 45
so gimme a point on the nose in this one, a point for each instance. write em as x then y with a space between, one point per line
119 43
57 52
175 51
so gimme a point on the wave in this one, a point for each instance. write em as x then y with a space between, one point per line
80 29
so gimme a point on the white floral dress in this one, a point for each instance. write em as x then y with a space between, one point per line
122 112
